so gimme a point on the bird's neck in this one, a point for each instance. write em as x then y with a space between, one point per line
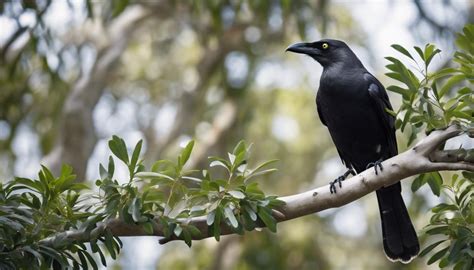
336 75
338 70
342 67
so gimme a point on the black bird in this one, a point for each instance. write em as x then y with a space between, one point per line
352 103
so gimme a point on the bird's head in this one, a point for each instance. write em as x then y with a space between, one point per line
326 51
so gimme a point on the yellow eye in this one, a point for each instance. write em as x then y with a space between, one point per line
325 46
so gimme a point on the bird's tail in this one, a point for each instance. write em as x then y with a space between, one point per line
399 237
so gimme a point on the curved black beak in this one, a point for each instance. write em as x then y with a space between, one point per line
301 47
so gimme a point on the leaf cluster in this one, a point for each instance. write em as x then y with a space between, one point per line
167 196
34 209
433 100
451 224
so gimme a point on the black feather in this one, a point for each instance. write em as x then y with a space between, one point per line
353 105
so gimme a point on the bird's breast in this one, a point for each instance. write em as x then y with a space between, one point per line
349 115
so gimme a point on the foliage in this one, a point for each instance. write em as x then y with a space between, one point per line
32 210
168 195
437 100
451 225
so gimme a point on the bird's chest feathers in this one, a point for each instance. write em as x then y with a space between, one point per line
343 97
342 86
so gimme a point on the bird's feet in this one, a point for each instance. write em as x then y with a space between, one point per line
376 164
332 185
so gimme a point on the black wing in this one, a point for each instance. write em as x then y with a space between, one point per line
381 103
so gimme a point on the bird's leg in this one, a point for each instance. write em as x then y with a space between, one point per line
332 185
375 164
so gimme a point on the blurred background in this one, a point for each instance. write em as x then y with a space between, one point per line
75 72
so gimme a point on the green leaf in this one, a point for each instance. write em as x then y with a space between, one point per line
455 250
163 166
102 257
229 214
406 120
430 248
135 210
443 73
187 237
192 179
443 263
450 83
118 7
253 190
240 148
185 153
111 168
89 7
267 218
66 177
399 90
252 175
247 222
194 230
91 260
435 181
153 175
392 113
443 207
53 254
118 148
210 218
47 174
402 50
264 164
33 252
418 182
217 223
395 76
443 229
251 213
437 255
30 184
236 194
217 161
118 243
239 160
464 40
136 155
231 158
109 243
468 175
83 259
178 230
11 224
430 52
420 52
102 173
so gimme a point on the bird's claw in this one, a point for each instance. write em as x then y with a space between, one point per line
332 184
375 164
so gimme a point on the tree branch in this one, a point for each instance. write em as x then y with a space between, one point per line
422 158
